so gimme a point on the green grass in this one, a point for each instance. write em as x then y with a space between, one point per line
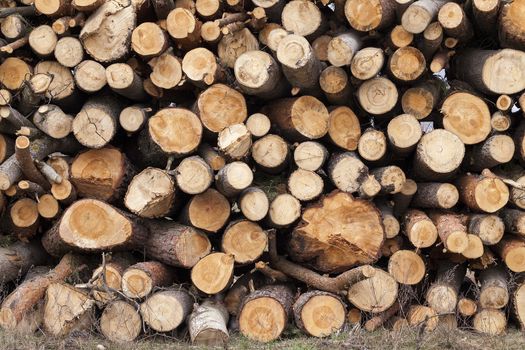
292 340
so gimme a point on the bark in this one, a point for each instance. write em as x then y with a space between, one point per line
495 150
452 230
207 324
17 258
494 292
435 195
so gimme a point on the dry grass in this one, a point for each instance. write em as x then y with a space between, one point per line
350 339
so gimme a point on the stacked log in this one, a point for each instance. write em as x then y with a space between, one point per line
230 165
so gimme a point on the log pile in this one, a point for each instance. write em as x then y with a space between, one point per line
242 166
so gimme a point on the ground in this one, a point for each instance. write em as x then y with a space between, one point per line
350 339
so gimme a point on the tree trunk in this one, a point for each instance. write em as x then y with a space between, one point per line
214 273
406 267
309 245
98 33
423 317
107 278
120 322
271 306
438 156
495 150
166 72
489 228
66 309
165 310
485 15
69 52
391 178
202 67
211 156
258 125
435 195
207 324
319 314
139 280
482 194
455 22
399 38
124 81
90 225
305 185
21 301
208 211
310 155
236 43
52 121
419 229
235 142
245 240
404 132
377 321
101 174
452 230
24 219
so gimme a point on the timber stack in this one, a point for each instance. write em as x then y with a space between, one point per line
244 166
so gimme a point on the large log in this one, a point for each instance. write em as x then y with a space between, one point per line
92 225
309 242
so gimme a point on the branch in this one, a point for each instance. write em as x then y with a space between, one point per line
274 275
337 285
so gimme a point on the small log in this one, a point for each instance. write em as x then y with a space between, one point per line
22 300
202 67
107 32
193 175
149 40
7 147
184 28
372 146
367 63
335 85
101 173
344 129
455 22
300 66
120 322
310 155
452 230
406 65
69 52
369 188
139 280
124 81
175 244
242 287
514 221
399 38
442 295
166 310
435 195
391 178
208 211
43 40
151 193
517 303
391 246
52 121
404 132
97 122
107 278
432 39
245 240
438 156
419 229
342 48
258 124
458 118
380 14
303 18
406 267
467 307
13 27
485 15
504 103
259 74
133 118
510 29
489 228
403 198
495 150
312 307
64 192
66 309
338 207
420 14
213 273
207 324
14 72
26 162
233 45
235 141
494 293
234 178
305 185
347 172
490 321
377 321
219 106
482 194
92 225
271 153
377 96
166 73
423 317
253 203
420 100
48 207
474 248
273 304
284 210
375 294
90 76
